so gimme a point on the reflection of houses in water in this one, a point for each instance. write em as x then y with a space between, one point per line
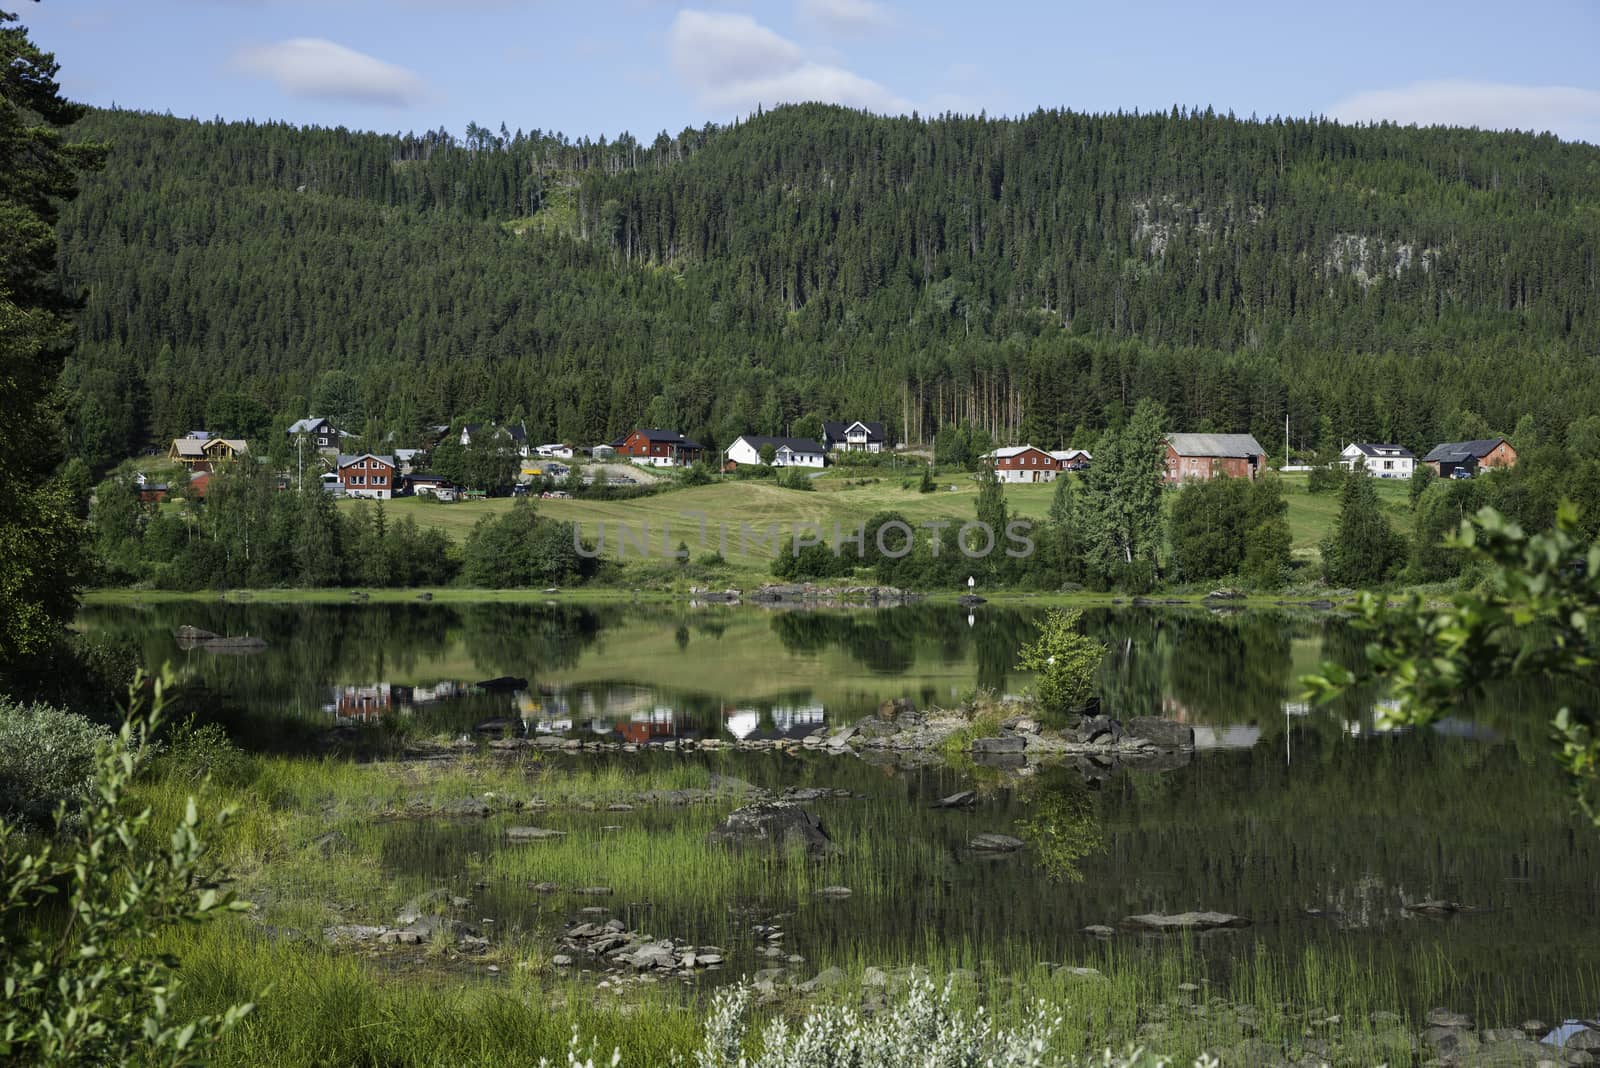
1238 736
658 723
362 704
745 724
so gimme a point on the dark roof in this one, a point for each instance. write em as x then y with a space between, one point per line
795 444
670 436
837 429
1224 445
1384 450
1455 451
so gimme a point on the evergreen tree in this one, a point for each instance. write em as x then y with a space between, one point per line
41 539
1363 549
1120 504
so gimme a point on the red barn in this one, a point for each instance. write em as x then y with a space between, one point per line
1192 456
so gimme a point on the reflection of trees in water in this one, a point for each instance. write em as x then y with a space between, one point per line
1062 824
522 639
1213 668
891 641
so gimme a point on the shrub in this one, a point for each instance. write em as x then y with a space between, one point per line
47 759
196 754
1326 479
922 1028
83 982
1065 660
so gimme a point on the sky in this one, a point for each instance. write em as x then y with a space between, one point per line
593 67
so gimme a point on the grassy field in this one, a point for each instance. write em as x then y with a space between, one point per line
728 507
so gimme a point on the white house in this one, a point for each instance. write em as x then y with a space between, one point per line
514 434
555 451
787 452
1071 459
1380 461
853 437
1023 463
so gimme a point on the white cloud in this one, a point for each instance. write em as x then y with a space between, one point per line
847 16
733 62
314 67
1567 111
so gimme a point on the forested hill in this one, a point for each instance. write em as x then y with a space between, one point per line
1033 276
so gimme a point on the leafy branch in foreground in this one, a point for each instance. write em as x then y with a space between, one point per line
78 914
1537 615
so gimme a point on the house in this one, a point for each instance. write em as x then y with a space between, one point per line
660 448
318 431
516 435
1072 459
1191 456
1469 456
1023 463
853 437
407 459
367 475
430 486
201 453
150 491
787 452
1380 461
554 451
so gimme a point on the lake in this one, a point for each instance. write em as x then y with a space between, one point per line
1315 822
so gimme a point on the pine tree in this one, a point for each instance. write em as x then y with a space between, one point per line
1363 549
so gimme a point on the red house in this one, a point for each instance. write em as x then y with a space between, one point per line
660 448
1024 463
367 475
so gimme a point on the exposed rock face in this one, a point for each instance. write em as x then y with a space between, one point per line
1162 733
1183 921
775 824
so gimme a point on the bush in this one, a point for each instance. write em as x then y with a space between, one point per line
47 759
84 983
922 1028
1065 660
1326 479
196 754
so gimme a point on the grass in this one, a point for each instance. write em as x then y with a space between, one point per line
327 1006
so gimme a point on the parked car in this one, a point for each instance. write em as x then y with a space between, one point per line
1461 472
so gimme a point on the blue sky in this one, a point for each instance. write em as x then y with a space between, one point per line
603 66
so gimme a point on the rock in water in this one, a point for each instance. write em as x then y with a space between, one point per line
532 834
995 843
776 824
1184 921
1161 733
1008 743
503 684
957 800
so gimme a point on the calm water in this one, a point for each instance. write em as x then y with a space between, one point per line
1309 821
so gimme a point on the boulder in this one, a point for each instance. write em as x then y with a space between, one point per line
1452 1042
962 799
971 600
497 725
1446 1018
777 825
502 684
834 891
995 843
1435 907
532 834
896 707
1587 1039
1183 921
466 806
1097 730
1159 732
187 633
1099 930
1009 743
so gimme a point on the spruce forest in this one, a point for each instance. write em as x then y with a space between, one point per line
1034 277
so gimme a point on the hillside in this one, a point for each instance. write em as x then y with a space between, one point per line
1034 276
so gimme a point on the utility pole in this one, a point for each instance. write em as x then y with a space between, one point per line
300 463
1286 439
